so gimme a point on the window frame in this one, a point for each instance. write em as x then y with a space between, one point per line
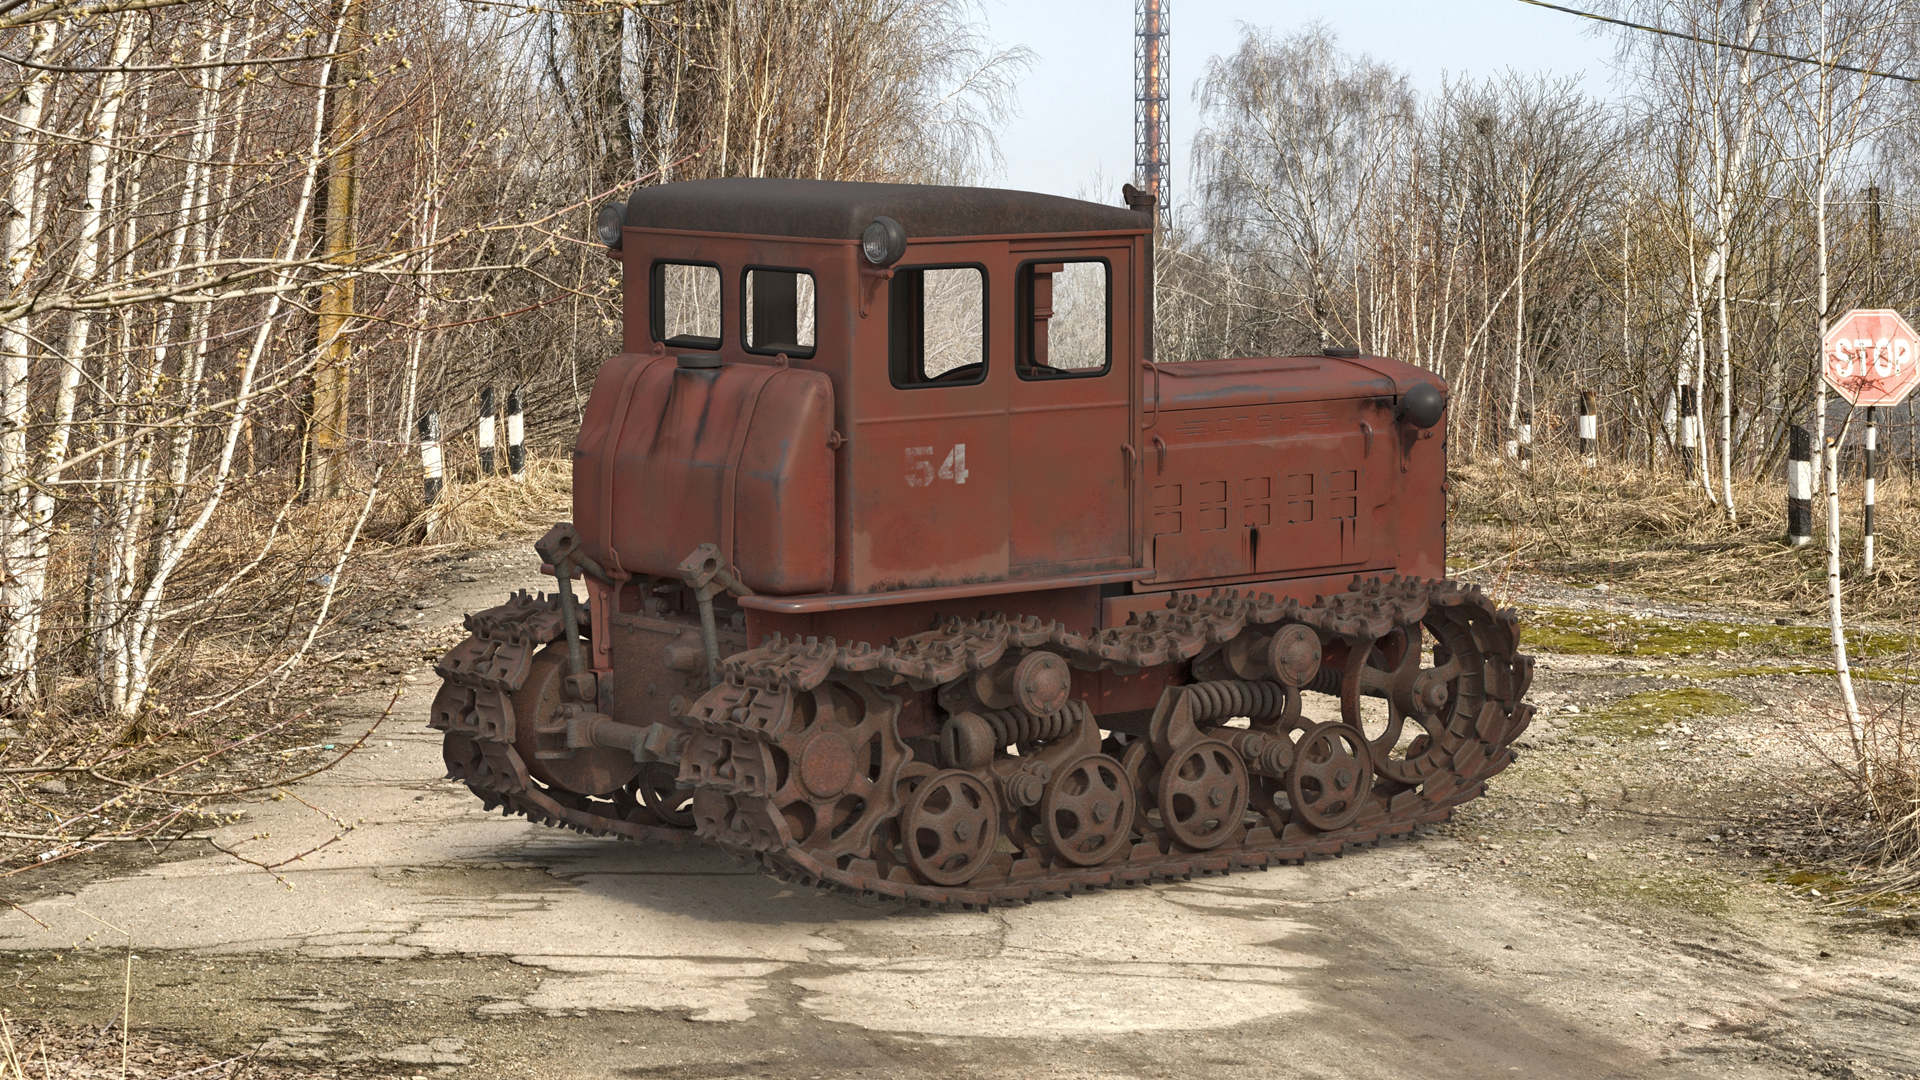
746 314
1023 323
657 306
986 326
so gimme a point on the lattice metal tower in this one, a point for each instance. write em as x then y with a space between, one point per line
1150 99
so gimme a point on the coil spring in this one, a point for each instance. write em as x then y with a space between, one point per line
1327 681
1228 698
1018 726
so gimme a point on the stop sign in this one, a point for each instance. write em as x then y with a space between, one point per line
1871 358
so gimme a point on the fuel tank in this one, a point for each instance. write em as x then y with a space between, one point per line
679 451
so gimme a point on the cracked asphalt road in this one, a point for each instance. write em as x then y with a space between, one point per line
434 937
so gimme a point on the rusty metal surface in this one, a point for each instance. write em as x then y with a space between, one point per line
1177 558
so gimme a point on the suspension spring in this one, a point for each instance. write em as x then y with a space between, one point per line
1228 698
1018 726
1327 681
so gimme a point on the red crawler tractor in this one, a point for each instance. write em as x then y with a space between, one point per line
908 571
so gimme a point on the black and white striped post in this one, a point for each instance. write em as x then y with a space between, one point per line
432 465
1589 428
486 431
1689 428
517 434
1873 438
1799 487
1520 447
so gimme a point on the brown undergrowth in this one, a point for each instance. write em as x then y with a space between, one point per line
272 632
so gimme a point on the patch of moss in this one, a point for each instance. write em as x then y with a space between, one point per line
1553 639
1885 675
1566 631
1640 715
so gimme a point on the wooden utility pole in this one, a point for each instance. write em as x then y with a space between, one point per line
332 375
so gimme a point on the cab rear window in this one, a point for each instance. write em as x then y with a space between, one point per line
780 311
686 305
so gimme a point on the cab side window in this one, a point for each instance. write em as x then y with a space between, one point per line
780 312
1063 309
686 305
937 326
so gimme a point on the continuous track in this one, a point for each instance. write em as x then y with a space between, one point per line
794 761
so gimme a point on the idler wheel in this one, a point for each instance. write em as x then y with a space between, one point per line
1423 700
950 826
1087 812
1332 773
597 770
1203 794
658 789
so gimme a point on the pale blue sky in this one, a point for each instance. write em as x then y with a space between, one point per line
1076 104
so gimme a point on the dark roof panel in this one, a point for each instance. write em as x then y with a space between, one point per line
839 209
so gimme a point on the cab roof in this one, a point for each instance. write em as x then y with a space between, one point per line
841 209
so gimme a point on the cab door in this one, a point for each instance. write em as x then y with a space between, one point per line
1068 412
924 493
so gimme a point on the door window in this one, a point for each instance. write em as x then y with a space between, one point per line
1065 330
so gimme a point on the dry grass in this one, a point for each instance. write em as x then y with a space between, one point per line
44 1051
495 509
1655 533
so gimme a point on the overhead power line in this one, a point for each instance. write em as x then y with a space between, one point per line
1717 43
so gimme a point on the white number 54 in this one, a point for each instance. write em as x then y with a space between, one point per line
920 470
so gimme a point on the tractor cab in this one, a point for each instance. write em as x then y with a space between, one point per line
859 389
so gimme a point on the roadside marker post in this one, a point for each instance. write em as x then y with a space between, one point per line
486 431
517 434
432 465
1800 487
1589 429
1689 427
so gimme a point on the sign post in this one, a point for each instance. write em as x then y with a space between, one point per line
1871 358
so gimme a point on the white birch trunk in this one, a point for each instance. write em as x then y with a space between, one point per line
1829 456
20 603
172 555
31 575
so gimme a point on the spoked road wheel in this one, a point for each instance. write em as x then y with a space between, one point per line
949 827
1331 776
1203 794
1087 812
